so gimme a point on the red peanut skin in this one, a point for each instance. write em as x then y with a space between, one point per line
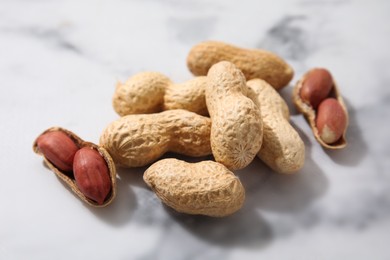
331 120
58 148
91 174
316 87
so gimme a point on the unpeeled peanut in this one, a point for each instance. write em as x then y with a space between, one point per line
92 174
188 95
254 63
58 148
316 87
137 140
331 120
153 92
206 188
236 129
90 171
283 149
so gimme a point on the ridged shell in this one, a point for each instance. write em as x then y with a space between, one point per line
283 149
141 94
206 188
153 92
254 63
137 140
188 95
237 129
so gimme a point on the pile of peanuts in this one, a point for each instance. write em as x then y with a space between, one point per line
231 110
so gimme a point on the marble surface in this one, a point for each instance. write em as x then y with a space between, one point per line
59 61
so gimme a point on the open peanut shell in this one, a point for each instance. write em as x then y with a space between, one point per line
310 113
71 181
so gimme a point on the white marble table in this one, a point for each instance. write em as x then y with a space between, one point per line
59 61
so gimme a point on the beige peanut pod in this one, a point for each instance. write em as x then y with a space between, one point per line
137 140
283 149
68 177
205 188
188 95
254 63
237 129
153 92
141 94
310 112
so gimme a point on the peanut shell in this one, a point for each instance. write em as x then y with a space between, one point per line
153 92
254 63
237 127
70 181
137 140
310 113
206 188
283 149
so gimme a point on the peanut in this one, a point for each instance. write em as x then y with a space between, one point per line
254 63
316 87
282 150
313 89
91 174
331 120
152 92
237 129
58 148
206 188
188 95
137 140
92 168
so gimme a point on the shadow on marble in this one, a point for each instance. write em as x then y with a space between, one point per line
356 148
121 208
288 38
245 228
133 176
284 193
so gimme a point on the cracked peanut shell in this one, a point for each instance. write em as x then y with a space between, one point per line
68 177
310 113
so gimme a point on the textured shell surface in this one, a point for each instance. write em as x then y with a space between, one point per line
141 94
137 140
206 188
188 95
254 63
237 130
283 149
